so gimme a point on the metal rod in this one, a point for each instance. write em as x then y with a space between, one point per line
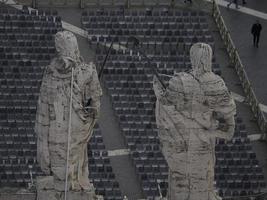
69 137
104 63
159 189
155 72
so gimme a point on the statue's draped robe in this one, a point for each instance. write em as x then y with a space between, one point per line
187 131
52 120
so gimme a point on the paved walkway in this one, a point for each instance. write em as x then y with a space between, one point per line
254 60
239 23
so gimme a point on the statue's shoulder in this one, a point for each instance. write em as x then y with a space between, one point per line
50 69
181 74
181 80
85 72
184 77
212 78
87 68
214 86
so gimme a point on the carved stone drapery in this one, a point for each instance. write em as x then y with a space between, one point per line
187 113
52 118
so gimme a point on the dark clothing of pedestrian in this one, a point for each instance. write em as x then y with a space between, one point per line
188 0
236 3
233 1
256 31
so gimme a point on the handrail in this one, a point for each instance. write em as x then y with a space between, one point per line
239 67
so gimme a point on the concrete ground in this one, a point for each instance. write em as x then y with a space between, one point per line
253 59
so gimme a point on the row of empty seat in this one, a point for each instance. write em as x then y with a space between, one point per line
100 169
21 69
128 78
143 12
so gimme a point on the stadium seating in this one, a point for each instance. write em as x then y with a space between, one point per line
128 77
100 170
26 47
157 27
237 169
129 85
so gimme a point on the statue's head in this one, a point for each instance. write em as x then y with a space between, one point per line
201 58
67 46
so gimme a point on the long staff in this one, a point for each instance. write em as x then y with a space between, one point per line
69 137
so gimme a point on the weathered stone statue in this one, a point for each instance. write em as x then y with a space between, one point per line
191 112
53 117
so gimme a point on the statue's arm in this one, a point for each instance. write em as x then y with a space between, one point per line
42 129
225 110
93 92
226 131
164 96
203 119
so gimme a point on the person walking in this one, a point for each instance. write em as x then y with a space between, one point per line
236 3
190 1
255 31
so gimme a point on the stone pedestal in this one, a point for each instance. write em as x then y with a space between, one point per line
72 195
46 191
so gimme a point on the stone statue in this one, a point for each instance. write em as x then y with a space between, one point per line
53 117
194 110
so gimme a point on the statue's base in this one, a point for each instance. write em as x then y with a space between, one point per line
71 195
45 187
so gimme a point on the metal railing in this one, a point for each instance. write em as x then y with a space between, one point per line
236 62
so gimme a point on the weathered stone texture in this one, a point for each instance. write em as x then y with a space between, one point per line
53 116
187 114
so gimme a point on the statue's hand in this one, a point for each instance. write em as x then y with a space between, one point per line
158 89
91 112
223 127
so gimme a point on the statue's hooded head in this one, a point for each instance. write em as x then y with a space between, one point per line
67 46
201 58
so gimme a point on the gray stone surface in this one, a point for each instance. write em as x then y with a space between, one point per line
45 183
72 195
191 113
7 193
53 117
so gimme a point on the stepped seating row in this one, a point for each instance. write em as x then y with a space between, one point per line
18 101
25 37
98 37
26 12
22 43
141 12
237 170
33 23
176 29
141 121
155 27
141 19
100 169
